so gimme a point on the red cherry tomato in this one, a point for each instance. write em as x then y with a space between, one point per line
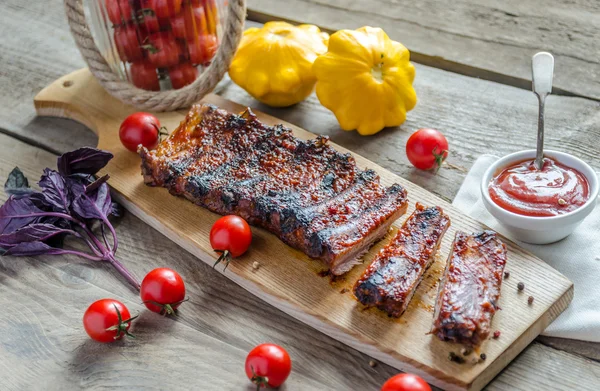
162 291
178 26
119 11
144 76
268 364
164 23
163 51
427 149
127 43
162 8
196 23
405 382
202 49
140 128
210 9
190 23
183 74
149 21
183 51
231 236
107 320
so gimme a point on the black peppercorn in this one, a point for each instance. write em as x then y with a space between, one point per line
520 286
455 358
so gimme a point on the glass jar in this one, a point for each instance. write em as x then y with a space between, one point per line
157 44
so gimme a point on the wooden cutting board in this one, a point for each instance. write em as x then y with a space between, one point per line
290 281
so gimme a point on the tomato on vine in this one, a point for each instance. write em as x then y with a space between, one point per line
107 320
230 236
162 291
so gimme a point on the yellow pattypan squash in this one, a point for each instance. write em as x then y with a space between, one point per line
274 63
365 78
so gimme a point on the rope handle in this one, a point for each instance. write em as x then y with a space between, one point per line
157 100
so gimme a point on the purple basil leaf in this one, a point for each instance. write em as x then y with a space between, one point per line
83 160
38 199
55 190
76 187
12 212
32 233
96 184
83 178
29 249
17 183
93 205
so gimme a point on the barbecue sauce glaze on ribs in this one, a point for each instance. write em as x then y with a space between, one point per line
470 288
394 275
312 197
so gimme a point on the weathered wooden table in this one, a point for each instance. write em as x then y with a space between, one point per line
42 343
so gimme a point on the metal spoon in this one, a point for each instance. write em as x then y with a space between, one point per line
542 71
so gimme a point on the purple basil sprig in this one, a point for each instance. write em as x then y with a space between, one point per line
73 201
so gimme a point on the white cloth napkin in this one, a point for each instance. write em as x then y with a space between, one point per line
577 257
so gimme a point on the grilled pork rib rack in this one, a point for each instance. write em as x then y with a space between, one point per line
470 288
311 196
394 275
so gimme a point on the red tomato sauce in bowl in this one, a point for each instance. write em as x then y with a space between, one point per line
554 190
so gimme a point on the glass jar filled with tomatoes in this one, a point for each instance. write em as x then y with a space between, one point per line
157 44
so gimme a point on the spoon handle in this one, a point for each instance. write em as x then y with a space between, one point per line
542 69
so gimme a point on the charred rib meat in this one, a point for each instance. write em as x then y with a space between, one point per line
394 275
311 196
470 289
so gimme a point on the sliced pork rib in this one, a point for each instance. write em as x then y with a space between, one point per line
311 196
394 275
470 288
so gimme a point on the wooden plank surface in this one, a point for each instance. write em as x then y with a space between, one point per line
289 280
477 116
37 48
43 345
493 40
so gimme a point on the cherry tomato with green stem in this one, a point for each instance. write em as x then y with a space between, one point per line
107 320
230 236
405 382
268 365
427 149
140 128
163 51
162 291
148 21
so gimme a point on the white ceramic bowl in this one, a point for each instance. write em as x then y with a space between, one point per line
540 230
